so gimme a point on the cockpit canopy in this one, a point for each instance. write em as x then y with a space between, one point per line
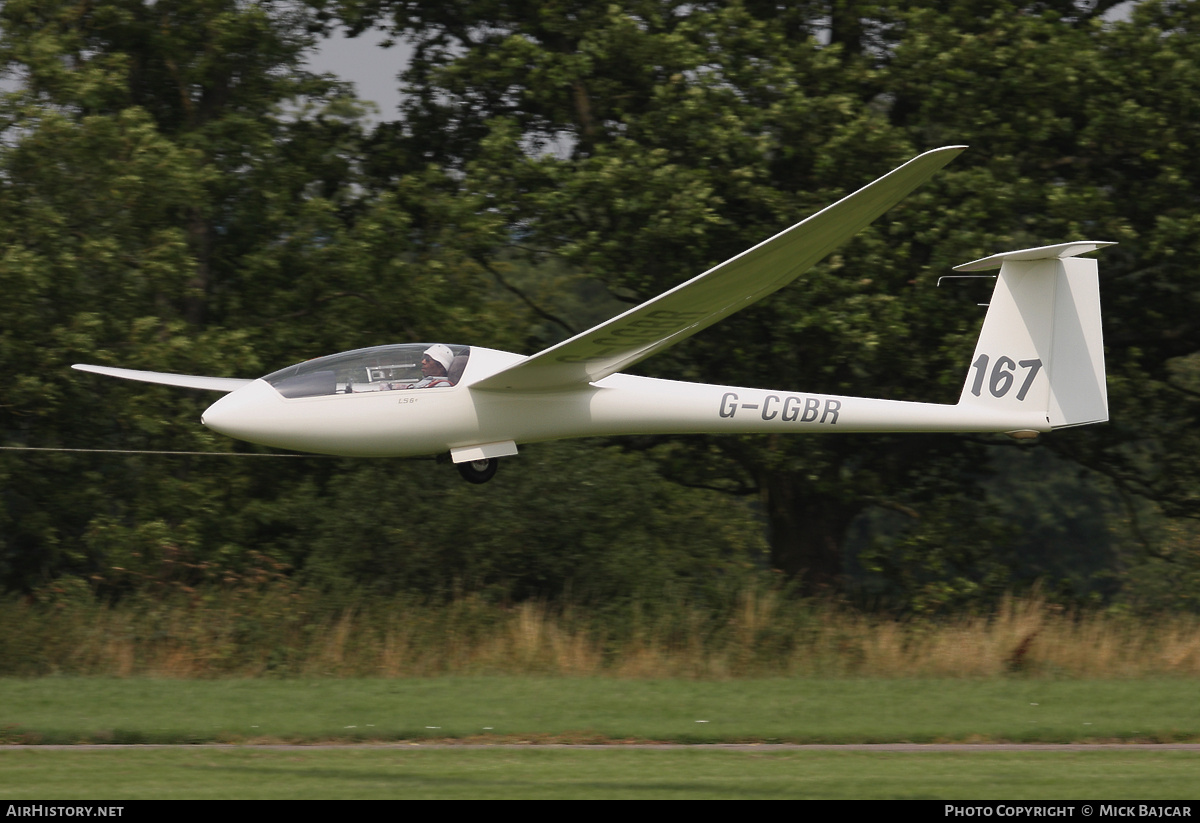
379 368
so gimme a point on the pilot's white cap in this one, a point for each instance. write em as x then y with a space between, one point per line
442 354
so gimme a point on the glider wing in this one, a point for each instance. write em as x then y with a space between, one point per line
189 381
717 293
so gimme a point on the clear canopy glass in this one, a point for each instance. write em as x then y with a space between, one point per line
379 368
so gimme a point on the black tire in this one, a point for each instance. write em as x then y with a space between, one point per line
478 471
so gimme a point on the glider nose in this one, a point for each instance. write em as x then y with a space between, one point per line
245 414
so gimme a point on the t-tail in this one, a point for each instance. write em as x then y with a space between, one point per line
1041 347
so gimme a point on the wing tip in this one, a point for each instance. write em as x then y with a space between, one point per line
953 151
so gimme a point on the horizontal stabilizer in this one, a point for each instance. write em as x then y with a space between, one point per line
187 381
1060 251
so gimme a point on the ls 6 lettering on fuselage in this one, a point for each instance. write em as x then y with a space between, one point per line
790 408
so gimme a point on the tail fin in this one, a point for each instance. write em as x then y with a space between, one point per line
1041 346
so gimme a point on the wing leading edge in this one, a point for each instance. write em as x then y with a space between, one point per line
690 307
188 381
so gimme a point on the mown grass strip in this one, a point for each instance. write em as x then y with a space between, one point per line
609 773
597 709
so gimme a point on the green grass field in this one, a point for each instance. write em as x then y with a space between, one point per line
610 772
416 712
564 709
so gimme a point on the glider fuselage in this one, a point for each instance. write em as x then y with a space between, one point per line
409 422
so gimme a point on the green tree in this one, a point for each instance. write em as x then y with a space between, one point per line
641 142
179 194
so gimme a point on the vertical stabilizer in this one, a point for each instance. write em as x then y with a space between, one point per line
1042 347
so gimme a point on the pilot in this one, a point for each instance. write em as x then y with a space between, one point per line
435 365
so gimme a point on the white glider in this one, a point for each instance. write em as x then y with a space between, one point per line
1039 365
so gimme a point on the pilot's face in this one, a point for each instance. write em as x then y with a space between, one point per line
431 367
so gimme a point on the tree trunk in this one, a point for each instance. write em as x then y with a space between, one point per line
195 301
808 530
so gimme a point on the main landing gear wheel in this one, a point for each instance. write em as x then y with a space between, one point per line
478 471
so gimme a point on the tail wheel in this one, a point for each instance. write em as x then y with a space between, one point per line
478 471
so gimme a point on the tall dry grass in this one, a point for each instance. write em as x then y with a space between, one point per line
290 633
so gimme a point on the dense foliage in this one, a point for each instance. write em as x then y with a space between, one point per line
179 193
